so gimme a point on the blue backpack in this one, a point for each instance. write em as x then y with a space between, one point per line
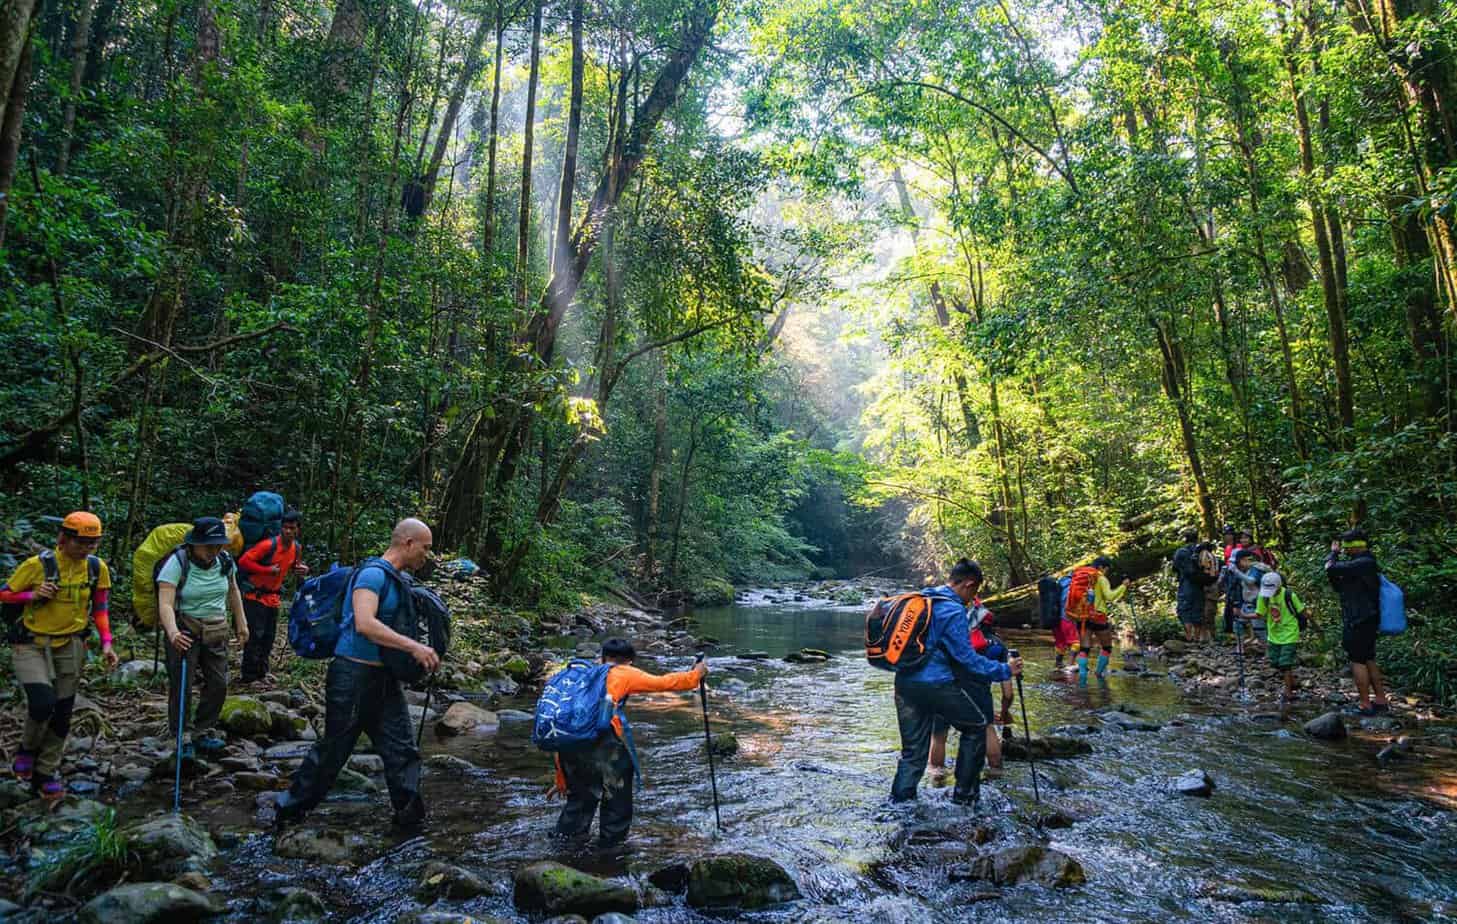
1393 608
317 613
574 709
262 517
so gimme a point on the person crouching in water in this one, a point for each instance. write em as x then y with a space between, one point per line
984 642
56 593
603 774
951 683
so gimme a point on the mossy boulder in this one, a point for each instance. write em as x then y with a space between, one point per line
245 717
147 903
516 667
168 846
1049 747
740 881
713 592
553 888
1025 863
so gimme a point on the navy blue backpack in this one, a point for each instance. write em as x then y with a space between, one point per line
317 613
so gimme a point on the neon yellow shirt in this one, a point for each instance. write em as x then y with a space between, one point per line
66 613
1104 596
1281 624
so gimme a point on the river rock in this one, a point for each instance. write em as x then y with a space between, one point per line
293 750
1397 749
1049 747
321 845
284 725
136 671
672 879
725 744
449 763
245 717
1245 892
754 655
464 719
553 888
1175 647
366 763
259 782
739 880
1327 727
146 903
291 905
614 917
566 919
167 846
1194 783
430 916
1380 723
1025 863
441 880
514 716
354 781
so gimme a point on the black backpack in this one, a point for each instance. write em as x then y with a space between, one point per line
1049 602
424 617
12 615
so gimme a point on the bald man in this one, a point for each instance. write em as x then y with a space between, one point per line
361 695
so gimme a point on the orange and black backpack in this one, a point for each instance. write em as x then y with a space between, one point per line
897 630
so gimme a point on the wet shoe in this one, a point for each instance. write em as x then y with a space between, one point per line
1381 707
49 788
189 752
23 766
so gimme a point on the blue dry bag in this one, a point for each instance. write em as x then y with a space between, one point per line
574 709
317 613
262 517
1393 608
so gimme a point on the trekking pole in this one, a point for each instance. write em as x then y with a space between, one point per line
708 743
181 721
156 652
420 732
1027 731
1239 650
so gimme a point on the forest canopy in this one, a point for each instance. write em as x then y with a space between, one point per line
677 292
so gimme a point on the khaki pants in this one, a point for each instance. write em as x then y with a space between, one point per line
49 675
207 674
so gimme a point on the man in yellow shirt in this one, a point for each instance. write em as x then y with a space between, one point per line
56 593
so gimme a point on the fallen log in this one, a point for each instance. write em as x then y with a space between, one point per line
1136 558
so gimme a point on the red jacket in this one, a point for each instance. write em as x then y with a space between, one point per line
266 566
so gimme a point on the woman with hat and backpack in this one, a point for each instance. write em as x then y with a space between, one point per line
196 588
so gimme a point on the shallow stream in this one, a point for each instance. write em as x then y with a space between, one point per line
818 745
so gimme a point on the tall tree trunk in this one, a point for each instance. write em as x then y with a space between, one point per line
80 41
1331 291
16 19
1411 244
655 481
682 505
569 152
523 229
488 234
345 44
468 72
11 126
1173 377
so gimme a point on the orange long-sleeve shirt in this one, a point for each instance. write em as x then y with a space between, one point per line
625 680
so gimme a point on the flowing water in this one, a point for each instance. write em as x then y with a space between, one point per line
818 745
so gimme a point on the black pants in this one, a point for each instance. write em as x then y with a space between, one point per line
916 707
360 698
262 628
601 776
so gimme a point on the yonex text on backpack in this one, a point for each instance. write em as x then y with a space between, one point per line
574 708
897 631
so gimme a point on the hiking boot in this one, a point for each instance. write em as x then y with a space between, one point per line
49 788
189 752
211 747
24 765
411 816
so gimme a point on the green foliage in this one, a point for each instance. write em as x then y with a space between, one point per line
96 854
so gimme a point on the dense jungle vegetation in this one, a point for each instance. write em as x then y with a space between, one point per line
673 292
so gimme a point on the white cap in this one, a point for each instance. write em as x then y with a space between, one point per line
1270 584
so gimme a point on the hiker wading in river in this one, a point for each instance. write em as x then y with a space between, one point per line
603 774
952 683
360 693
1357 581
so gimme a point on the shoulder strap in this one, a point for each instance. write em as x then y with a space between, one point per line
93 571
184 565
49 566
226 562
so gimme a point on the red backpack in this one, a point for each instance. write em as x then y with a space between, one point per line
1080 592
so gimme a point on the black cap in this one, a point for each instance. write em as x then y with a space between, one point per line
206 531
1102 561
618 648
292 516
